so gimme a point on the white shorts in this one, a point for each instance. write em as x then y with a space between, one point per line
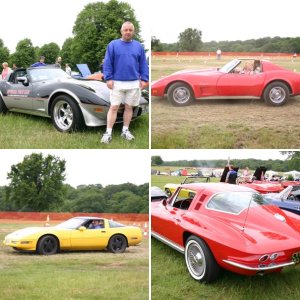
130 97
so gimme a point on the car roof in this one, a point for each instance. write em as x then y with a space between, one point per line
217 187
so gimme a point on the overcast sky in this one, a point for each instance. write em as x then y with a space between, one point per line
173 155
221 20
46 21
89 166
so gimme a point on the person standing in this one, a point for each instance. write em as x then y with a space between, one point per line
40 63
219 54
58 62
6 71
126 73
68 69
231 176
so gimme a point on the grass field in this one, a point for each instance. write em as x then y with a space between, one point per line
73 275
225 124
172 281
19 131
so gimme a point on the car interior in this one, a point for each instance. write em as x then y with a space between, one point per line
183 199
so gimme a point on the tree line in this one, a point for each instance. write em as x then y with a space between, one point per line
192 43
36 184
291 163
95 26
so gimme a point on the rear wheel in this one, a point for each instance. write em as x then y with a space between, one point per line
200 261
117 244
47 245
65 114
180 94
3 108
276 93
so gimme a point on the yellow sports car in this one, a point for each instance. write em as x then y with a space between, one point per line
80 233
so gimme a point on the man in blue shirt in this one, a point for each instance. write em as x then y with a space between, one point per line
40 63
126 72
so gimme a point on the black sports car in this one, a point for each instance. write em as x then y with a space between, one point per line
50 92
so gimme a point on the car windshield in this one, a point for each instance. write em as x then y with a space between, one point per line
71 224
235 202
39 74
229 66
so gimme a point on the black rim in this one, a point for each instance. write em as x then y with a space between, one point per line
49 245
117 243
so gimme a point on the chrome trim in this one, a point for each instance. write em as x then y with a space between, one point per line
167 242
272 267
229 97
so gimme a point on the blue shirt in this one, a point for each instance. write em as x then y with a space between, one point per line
38 64
125 61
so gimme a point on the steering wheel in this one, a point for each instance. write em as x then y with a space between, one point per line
185 204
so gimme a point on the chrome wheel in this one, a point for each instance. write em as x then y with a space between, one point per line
181 95
277 95
195 260
63 115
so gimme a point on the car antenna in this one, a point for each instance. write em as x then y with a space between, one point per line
243 228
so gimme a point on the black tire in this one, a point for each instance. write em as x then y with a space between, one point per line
65 114
199 260
276 93
180 94
117 244
3 108
47 245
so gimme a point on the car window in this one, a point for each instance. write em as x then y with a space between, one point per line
113 224
183 198
235 202
47 74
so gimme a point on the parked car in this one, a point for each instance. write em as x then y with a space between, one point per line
50 92
226 226
266 81
157 194
74 234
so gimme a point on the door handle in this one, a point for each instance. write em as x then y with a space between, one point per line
103 231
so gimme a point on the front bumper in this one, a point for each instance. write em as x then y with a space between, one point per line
25 244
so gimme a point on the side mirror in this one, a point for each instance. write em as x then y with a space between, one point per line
23 79
82 228
164 202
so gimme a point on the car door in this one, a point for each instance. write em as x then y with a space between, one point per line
90 239
240 85
18 95
169 220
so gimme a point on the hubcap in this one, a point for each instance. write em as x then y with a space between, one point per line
63 115
181 95
117 244
277 94
195 260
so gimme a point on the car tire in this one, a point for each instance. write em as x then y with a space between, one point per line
180 94
66 115
47 245
276 93
199 260
3 108
117 243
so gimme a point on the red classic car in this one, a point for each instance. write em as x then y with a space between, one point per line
226 226
238 79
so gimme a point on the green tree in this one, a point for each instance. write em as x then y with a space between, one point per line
24 55
156 161
4 53
67 52
156 44
36 184
96 25
50 51
190 40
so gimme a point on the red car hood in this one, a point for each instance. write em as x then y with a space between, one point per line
197 72
265 226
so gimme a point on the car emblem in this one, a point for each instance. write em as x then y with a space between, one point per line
280 217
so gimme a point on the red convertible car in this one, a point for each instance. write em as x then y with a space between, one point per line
226 226
238 79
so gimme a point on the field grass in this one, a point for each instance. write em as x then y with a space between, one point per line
221 124
73 275
170 278
19 131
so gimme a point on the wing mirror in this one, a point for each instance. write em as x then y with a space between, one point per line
164 202
82 228
23 79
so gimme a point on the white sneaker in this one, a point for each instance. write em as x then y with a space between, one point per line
126 134
106 138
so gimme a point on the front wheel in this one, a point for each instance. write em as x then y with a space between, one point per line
180 94
117 244
3 108
65 114
276 93
47 245
200 261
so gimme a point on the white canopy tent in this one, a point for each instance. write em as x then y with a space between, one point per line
294 173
